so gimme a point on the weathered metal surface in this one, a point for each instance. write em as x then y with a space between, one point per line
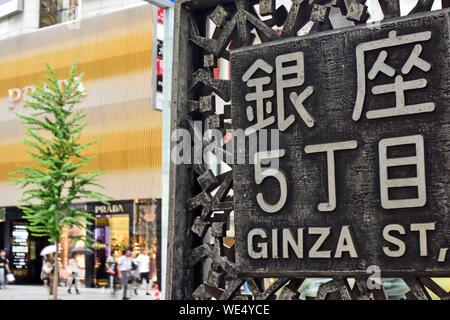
207 180
337 289
200 227
194 207
341 5
357 12
206 292
358 193
219 15
418 290
424 5
391 8
290 291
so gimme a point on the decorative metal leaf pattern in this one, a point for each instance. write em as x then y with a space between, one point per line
236 25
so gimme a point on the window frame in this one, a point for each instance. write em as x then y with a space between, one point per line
77 14
10 8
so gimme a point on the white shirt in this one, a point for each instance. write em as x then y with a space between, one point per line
144 262
124 263
73 266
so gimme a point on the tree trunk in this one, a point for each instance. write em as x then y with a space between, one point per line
55 276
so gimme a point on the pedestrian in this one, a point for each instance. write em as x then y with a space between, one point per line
74 271
111 269
144 269
4 268
49 264
44 275
135 275
125 262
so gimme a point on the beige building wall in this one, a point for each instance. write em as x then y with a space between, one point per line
115 51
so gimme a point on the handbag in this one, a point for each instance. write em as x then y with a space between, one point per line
46 268
10 277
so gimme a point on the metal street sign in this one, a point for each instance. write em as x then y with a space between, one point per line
362 161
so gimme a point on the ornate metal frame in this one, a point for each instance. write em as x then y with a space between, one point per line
192 203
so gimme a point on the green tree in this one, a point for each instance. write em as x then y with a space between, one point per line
56 179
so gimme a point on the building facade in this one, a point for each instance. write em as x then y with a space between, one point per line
115 45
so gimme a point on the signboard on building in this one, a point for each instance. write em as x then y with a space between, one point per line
357 174
159 104
160 17
19 248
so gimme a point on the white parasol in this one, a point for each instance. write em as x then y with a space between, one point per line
49 249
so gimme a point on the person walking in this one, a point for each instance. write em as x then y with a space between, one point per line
125 262
74 271
4 268
44 275
144 269
49 264
111 269
135 274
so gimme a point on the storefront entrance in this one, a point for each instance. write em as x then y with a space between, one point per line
112 233
123 224
35 261
23 251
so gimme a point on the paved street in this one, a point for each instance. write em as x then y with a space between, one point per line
26 292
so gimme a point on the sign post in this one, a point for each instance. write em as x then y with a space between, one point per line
335 142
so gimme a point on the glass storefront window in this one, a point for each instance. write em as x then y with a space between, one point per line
57 11
124 224
68 241
111 234
146 233
120 232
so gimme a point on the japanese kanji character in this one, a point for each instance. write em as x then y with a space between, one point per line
419 181
259 95
290 73
288 77
330 148
399 86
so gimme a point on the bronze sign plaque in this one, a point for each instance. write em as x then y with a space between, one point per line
357 175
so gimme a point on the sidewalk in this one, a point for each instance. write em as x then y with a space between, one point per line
27 292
